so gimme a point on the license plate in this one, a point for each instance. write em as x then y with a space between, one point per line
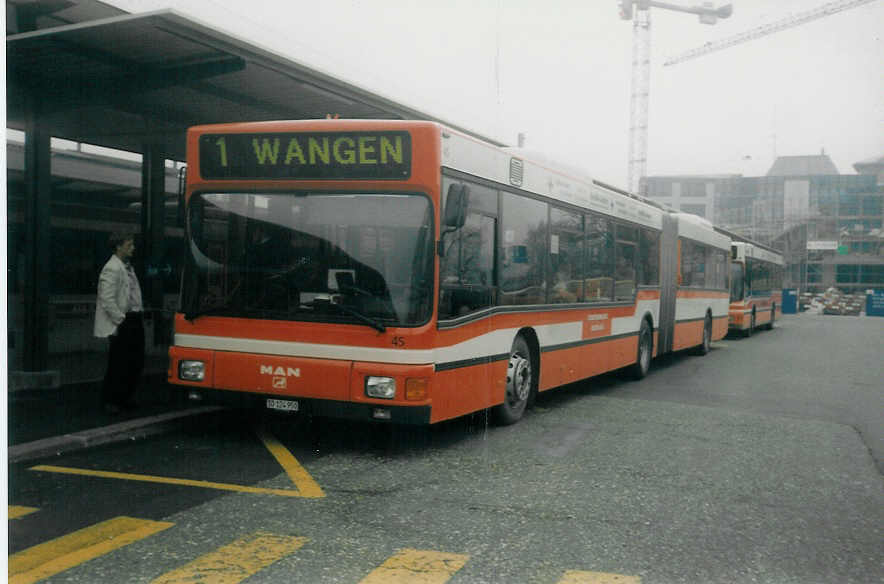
282 405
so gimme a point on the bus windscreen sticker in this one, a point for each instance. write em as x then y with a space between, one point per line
309 155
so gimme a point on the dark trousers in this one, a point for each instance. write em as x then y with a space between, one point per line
125 361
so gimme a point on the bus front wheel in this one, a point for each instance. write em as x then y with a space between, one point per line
519 384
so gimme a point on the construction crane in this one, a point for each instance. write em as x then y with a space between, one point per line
639 12
788 22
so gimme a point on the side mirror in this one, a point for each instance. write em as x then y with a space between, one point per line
456 206
455 214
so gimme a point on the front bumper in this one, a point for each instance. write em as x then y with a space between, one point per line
407 415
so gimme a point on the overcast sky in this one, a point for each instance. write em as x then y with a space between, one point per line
560 70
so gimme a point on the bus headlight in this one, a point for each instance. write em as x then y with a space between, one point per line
191 370
380 387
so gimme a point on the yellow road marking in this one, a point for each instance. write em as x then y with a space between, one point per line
166 480
416 567
305 486
582 577
302 479
60 554
236 561
16 511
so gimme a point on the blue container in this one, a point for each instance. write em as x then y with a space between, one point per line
790 301
875 303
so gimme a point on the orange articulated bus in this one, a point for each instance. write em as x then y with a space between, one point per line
756 287
403 271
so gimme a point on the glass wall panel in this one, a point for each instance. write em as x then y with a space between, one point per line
846 274
872 275
699 210
871 205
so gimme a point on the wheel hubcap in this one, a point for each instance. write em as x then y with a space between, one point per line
518 378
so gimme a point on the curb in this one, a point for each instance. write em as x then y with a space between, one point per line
128 430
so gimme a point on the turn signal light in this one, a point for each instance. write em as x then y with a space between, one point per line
416 389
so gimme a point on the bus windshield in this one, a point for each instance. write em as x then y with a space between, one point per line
361 258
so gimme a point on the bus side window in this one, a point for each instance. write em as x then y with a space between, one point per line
649 257
599 269
524 249
624 271
565 256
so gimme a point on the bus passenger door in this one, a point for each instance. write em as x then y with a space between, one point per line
468 287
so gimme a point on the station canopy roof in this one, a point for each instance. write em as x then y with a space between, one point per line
135 79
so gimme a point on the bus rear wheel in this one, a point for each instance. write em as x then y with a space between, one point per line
706 344
773 316
639 369
748 332
520 382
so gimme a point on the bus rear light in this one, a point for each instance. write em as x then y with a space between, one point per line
191 370
380 387
416 389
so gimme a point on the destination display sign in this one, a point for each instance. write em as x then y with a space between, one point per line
306 155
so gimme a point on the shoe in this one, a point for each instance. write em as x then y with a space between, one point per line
111 409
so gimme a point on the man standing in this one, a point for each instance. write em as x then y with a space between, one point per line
118 316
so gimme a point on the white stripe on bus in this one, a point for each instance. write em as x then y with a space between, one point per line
486 345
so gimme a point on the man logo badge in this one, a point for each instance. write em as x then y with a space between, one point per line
280 374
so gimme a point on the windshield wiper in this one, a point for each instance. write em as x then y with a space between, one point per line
375 324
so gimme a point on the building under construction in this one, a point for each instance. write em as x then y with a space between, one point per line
828 225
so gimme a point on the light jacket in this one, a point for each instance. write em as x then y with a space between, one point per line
112 301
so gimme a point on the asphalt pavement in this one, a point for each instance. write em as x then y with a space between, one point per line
755 463
44 422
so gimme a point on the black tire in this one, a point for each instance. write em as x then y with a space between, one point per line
749 331
521 383
773 317
706 344
639 369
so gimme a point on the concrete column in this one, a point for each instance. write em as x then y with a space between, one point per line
153 195
38 189
153 199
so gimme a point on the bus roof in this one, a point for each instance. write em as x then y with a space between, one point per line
527 171
750 250
701 230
